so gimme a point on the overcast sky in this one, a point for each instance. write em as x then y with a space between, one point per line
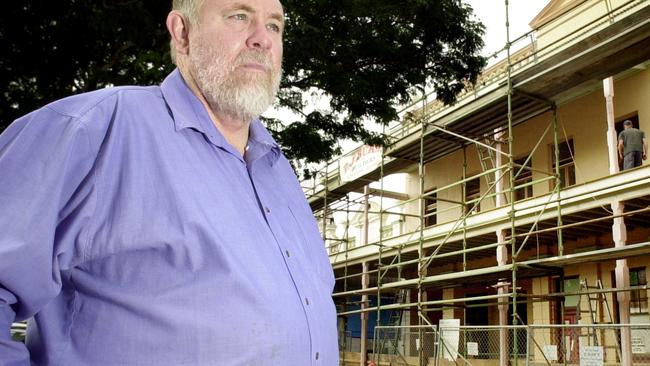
493 15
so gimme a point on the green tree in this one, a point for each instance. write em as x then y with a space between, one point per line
366 56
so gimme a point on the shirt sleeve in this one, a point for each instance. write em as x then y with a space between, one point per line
44 158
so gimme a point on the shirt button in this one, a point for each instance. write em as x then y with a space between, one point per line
268 210
317 355
287 253
307 300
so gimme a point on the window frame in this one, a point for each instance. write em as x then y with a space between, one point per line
638 298
430 206
567 163
473 195
526 176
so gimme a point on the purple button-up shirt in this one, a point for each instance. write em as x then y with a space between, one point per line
134 234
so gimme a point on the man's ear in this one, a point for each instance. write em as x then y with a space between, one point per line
179 31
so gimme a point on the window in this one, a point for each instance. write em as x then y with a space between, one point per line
472 192
567 166
571 285
352 242
430 208
618 125
525 176
387 231
638 298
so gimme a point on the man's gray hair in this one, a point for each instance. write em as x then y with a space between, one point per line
190 9
627 123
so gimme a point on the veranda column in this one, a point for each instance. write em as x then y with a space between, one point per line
502 254
619 232
365 280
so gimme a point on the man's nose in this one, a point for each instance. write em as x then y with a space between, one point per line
259 37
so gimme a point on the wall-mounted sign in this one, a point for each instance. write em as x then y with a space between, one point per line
360 162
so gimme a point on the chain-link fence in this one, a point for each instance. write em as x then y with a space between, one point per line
473 345
346 342
404 345
589 344
579 344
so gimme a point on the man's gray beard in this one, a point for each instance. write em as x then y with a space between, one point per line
243 97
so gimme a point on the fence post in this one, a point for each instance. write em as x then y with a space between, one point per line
529 337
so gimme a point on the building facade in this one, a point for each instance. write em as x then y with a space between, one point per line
508 209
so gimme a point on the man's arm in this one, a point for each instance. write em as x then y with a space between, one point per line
645 148
43 160
621 148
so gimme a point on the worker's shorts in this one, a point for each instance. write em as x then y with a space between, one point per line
632 159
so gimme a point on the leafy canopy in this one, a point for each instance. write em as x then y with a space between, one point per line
367 56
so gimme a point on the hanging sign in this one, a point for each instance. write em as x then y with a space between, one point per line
472 348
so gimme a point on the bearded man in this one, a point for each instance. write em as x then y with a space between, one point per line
162 225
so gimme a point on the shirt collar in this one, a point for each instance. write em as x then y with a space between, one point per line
260 143
188 112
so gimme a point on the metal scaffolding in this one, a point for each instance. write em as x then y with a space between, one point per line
399 273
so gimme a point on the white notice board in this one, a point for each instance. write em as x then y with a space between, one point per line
450 337
550 351
591 356
472 349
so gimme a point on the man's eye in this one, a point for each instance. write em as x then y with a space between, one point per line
239 16
274 28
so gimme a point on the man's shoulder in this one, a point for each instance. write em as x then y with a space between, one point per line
76 106
628 132
636 132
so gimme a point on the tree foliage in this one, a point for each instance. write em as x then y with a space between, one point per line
366 56
51 49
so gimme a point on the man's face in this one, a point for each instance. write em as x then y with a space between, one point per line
235 55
